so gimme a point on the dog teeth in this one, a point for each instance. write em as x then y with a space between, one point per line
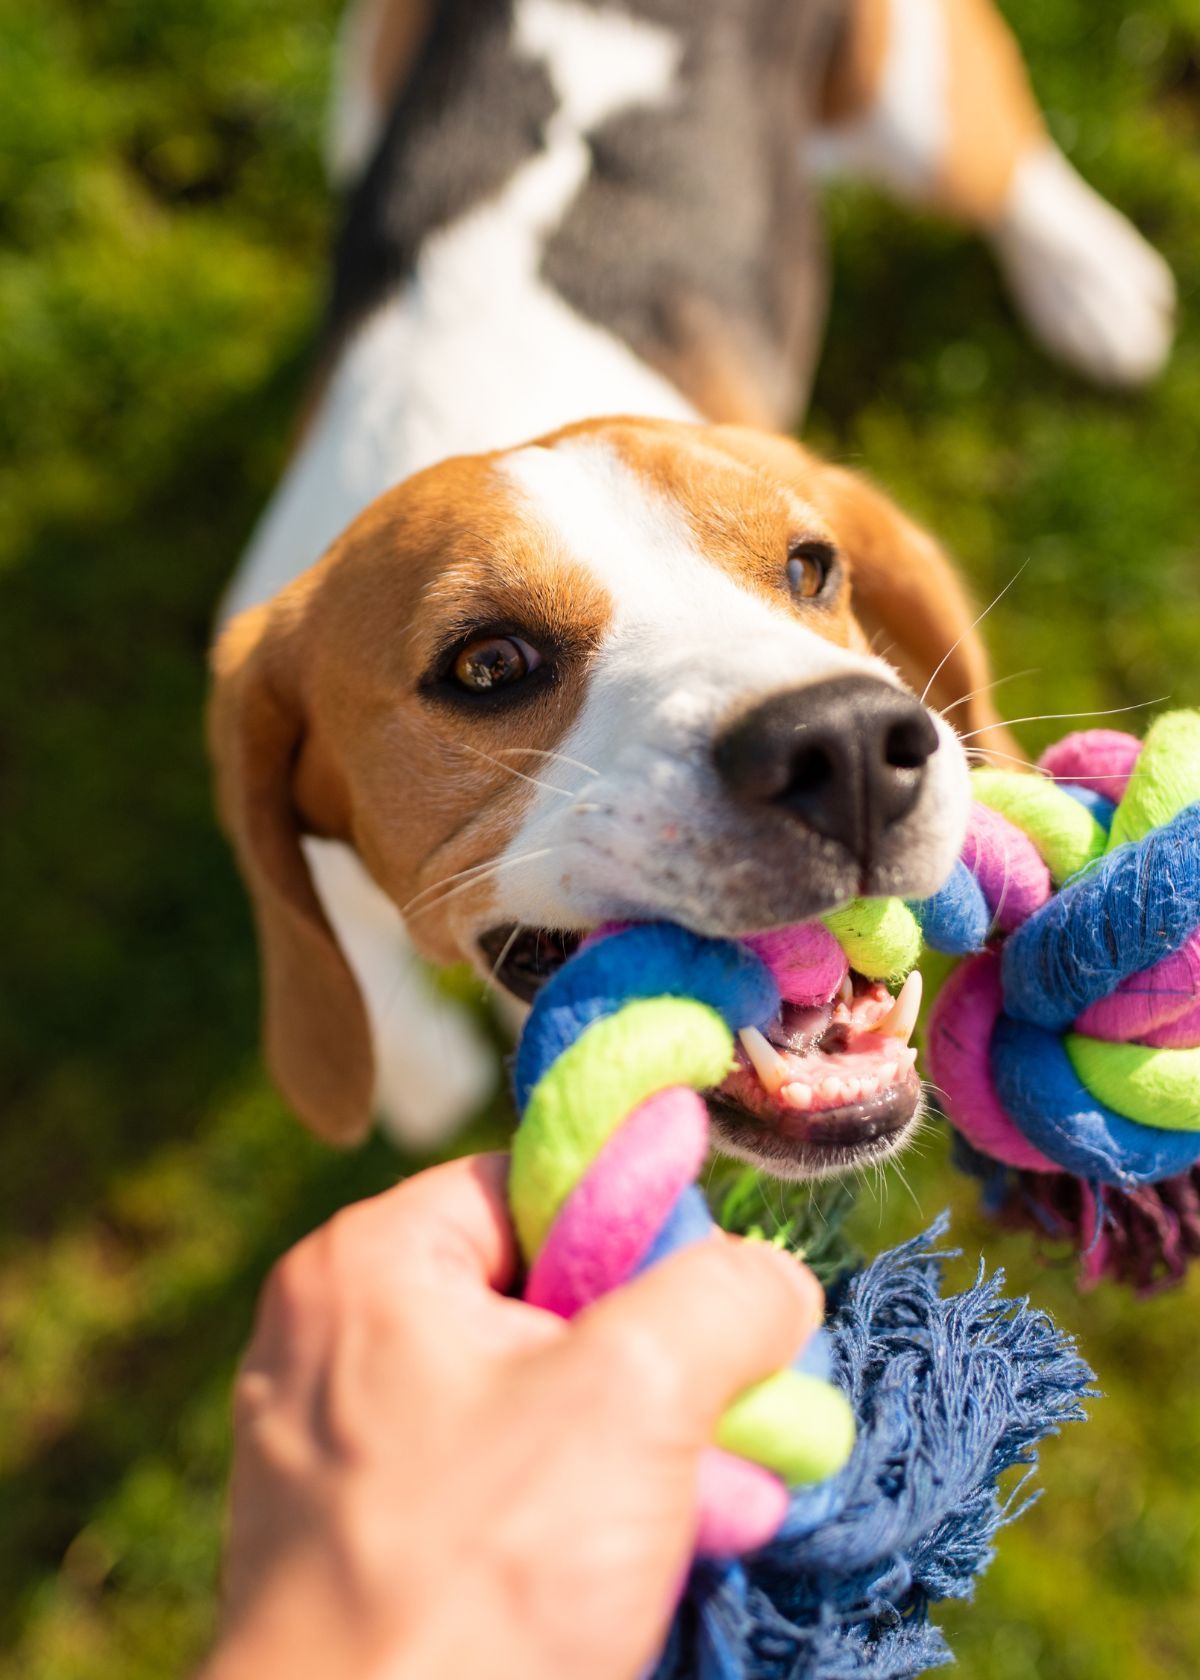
901 1018
797 1095
766 1061
846 991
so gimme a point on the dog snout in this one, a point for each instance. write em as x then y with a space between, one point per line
846 757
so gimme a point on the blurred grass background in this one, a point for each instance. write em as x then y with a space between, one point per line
163 219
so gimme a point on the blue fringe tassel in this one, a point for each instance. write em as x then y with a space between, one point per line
949 1391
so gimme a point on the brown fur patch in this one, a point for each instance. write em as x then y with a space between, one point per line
744 514
387 35
855 69
994 118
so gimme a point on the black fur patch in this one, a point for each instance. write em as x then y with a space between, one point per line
470 114
699 213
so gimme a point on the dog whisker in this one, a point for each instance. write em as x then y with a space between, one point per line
901 1175
545 752
1055 717
518 929
986 688
509 770
483 873
1037 769
447 880
995 601
467 878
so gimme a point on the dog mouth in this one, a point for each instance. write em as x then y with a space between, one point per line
818 1090
825 1088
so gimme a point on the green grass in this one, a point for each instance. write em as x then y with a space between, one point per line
163 220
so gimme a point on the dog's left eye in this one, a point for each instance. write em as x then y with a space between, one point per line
493 662
810 566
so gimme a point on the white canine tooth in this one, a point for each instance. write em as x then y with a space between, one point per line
846 991
797 1095
766 1061
901 1018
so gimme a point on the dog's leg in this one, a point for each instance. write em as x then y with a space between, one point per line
930 99
433 1067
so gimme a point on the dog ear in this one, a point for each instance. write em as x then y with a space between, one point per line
315 1030
906 594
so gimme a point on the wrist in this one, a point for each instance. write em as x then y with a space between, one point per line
297 1629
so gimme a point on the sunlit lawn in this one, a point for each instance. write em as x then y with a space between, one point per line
163 217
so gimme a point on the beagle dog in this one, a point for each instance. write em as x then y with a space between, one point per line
659 662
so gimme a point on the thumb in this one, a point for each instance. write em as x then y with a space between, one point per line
683 1340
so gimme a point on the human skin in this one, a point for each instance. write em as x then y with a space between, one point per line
433 1479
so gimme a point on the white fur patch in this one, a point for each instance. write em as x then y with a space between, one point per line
1091 288
900 141
599 62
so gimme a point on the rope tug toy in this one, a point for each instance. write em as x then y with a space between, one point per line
611 1138
1066 1048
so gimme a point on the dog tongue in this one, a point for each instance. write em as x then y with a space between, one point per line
798 1028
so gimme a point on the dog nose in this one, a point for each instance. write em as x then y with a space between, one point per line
847 757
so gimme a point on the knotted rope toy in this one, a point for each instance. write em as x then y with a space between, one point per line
611 1139
604 1162
1066 1048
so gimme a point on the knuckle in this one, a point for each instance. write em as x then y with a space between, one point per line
634 1363
727 1271
299 1290
748 1283
253 1395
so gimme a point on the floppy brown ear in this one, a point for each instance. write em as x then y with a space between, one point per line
912 605
315 1030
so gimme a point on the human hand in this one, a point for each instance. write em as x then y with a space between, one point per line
434 1480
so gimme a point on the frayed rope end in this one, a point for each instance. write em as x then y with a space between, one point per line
949 1392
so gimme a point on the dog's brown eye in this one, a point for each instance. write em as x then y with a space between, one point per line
809 568
493 662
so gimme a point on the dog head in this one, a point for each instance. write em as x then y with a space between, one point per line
625 672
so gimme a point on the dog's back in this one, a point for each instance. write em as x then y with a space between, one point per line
561 209
685 229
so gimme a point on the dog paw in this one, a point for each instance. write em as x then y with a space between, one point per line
434 1066
433 1072
1092 290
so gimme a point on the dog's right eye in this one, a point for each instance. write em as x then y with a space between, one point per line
493 662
